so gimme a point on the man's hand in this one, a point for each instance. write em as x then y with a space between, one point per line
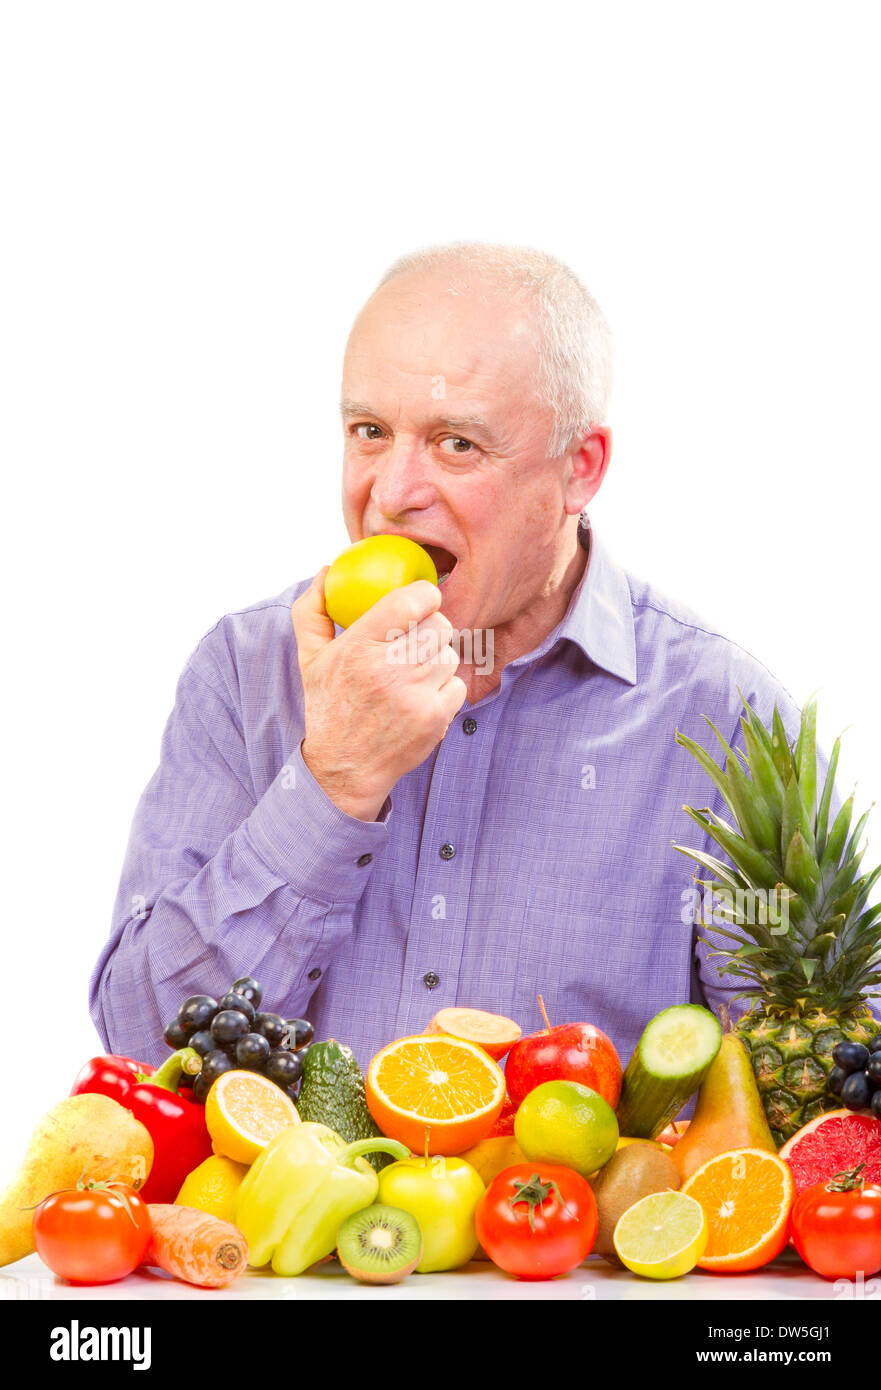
373 709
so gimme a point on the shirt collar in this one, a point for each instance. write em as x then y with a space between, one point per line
599 618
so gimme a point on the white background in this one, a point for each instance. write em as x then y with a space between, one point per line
197 198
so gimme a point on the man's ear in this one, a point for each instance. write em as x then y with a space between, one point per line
586 468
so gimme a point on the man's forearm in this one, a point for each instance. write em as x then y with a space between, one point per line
276 899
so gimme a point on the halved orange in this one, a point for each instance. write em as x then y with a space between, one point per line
446 1085
243 1111
747 1195
493 1032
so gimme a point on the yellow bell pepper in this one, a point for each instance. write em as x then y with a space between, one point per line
301 1189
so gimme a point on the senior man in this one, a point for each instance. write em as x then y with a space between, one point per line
377 839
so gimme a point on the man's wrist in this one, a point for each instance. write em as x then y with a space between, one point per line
322 852
357 803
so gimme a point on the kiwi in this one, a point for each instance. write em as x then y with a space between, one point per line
380 1245
633 1172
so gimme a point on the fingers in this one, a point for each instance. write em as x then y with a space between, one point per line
313 629
397 610
452 696
425 650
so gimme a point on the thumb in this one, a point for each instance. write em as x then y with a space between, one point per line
313 629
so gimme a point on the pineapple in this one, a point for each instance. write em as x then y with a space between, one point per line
803 938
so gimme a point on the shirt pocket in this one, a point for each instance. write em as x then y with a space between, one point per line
598 955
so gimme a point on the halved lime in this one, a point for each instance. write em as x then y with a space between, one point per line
662 1236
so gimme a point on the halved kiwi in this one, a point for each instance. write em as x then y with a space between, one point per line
380 1245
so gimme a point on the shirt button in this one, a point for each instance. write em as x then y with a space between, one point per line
315 974
365 860
469 725
431 980
447 851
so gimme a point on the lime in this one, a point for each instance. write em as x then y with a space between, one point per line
369 570
662 1236
212 1187
565 1122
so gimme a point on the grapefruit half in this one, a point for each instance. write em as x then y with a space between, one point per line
836 1142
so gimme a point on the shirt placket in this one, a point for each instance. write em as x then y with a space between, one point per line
439 913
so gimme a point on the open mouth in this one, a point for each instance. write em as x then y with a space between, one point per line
444 561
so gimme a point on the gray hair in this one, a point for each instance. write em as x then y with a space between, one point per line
575 344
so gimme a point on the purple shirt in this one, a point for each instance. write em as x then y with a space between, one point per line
530 853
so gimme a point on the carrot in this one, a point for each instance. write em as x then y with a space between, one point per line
194 1246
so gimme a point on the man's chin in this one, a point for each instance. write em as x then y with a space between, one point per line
460 607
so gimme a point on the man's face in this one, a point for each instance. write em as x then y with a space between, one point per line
445 442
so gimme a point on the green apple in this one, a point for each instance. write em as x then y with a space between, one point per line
442 1194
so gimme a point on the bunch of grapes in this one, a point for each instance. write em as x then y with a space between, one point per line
856 1076
232 1033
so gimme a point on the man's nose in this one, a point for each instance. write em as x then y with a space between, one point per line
402 482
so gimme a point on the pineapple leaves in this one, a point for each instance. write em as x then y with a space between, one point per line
800 867
831 856
780 749
856 890
855 837
821 944
746 800
712 769
826 799
764 774
806 760
751 862
715 866
790 914
795 817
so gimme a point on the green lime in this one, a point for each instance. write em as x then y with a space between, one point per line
565 1122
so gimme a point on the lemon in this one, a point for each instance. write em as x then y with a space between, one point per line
627 1139
492 1156
565 1122
212 1187
662 1236
243 1112
369 570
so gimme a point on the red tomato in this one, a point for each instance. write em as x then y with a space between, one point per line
93 1234
537 1220
838 1232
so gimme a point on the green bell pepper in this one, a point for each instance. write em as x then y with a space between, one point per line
301 1189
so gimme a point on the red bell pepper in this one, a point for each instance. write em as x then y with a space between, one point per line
176 1122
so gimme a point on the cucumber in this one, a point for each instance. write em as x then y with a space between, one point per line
671 1059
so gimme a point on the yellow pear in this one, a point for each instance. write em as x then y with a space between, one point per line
729 1113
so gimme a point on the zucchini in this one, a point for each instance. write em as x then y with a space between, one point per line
671 1059
332 1093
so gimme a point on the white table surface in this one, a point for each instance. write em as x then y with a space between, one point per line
784 1280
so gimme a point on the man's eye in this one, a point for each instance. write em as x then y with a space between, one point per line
456 445
367 431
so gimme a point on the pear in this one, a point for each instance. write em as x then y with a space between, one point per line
85 1136
729 1113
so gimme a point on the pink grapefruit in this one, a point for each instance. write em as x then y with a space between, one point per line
836 1142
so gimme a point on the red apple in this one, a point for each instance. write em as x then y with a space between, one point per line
673 1133
569 1052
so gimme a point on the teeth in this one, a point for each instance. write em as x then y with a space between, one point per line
442 578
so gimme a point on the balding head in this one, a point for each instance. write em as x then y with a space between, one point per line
572 338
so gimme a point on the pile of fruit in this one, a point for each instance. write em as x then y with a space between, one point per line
255 1145
438 1156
